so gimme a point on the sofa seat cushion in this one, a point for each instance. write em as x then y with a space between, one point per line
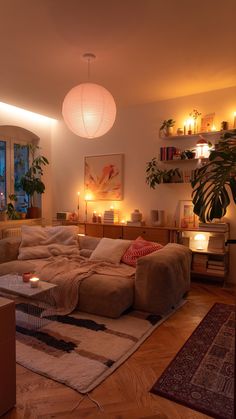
106 295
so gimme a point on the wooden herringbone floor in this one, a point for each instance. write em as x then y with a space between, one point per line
125 394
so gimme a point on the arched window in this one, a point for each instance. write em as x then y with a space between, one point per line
14 162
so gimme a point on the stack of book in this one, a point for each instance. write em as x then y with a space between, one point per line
199 263
167 153
111 216
214 227
216 267
216 243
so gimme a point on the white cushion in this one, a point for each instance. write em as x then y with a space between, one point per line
110 250
42 242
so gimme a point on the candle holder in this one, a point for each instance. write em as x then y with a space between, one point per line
34 282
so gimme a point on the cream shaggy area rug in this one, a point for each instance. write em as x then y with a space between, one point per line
80 350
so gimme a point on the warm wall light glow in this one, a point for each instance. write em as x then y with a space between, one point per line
88 196
23 113
213 128
190 124
201 241
234 119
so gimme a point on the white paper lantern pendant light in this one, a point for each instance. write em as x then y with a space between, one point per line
88 109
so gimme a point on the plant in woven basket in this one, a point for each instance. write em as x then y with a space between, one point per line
214 184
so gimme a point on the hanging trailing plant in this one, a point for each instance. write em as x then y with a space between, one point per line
155 175
215 183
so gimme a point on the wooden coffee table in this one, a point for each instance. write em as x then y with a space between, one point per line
30 315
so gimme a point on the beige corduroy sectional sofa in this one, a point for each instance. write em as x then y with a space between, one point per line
161 279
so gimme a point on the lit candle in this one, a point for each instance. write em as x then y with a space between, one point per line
2 200
190 123
94 219
111 207
99 218
34 282
78 193
185 123
234 119
122 221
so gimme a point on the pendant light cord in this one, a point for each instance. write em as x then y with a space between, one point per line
89 57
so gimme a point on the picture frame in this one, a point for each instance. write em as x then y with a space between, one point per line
103 177
187 218
207 122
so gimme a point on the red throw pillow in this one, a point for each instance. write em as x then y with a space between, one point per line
139 248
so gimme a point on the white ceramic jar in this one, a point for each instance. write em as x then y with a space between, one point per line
136 216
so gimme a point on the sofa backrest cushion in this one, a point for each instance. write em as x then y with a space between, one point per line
9 249
139 248
42 242
88 242
110 250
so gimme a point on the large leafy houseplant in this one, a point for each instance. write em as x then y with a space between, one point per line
31 182
215 183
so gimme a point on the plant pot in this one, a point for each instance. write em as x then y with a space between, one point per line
34 212
169 131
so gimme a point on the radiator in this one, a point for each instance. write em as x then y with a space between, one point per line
11 232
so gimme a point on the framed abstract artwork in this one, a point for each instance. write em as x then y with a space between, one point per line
103 177
207 122
187 218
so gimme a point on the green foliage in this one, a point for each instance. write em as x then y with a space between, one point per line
215 183
11 211
31 182
167 123
155 176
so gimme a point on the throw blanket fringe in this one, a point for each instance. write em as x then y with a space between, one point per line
101 408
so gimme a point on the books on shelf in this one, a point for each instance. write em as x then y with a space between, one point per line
219 263
199 262
217 227
216 271
167 153
216 243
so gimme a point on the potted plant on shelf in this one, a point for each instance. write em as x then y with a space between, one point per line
215 183
155 175
31 182
188 154
167 127
11 212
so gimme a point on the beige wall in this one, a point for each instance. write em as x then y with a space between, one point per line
136 134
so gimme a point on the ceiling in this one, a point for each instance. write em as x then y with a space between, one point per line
147 50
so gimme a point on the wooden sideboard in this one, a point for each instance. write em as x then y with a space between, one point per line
7 355
161 235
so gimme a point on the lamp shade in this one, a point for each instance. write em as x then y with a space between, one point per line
202 148
89 110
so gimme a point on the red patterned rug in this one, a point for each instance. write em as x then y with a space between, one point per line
201 376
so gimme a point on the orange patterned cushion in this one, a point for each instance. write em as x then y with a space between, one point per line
139 248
